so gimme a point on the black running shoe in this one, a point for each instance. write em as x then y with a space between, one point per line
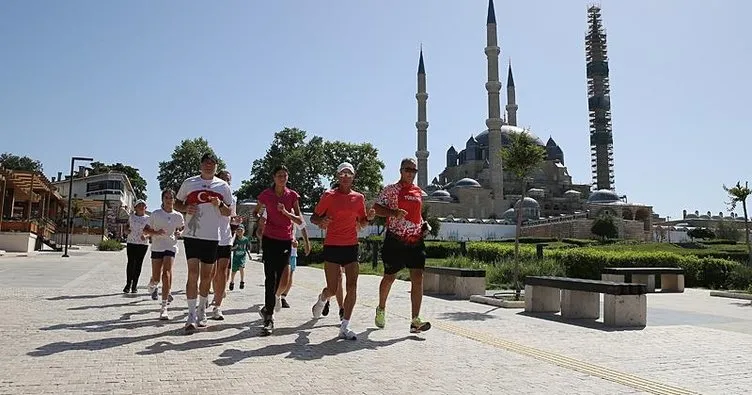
242 284
268 327
127 288
232 286
285 305
325 312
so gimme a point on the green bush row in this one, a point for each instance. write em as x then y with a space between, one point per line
110 245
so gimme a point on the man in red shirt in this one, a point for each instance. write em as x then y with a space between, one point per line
402 204
340 211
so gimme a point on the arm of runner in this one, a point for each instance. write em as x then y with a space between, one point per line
306 242
319 217
180 201
295 216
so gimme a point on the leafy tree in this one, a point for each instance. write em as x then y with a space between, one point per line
303 160
701 233
727 230
605 227
739 194
365 159
23 163
432 221
138 182
185 162
521 158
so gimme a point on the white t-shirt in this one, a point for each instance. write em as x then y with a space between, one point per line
205 223
169 222
293 252
137 224
225 233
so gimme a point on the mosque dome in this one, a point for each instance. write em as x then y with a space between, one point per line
536 192
467 183
440 195
603 196
530 210
482 137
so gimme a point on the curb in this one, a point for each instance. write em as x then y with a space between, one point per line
507 304
733 295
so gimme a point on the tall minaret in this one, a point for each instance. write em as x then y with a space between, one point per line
494 122
599 102
511 98
422 125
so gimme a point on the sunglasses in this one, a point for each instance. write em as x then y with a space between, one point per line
410 169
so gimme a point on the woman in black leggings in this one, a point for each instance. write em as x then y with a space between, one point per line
137 245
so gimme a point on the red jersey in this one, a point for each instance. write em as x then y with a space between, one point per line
410 199
278 226
344 210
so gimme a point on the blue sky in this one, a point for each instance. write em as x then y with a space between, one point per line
126 81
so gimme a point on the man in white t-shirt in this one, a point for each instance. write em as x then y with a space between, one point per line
227 228
204 199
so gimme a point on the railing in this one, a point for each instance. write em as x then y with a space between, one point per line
565 218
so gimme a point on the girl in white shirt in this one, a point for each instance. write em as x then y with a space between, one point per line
165 225
136 246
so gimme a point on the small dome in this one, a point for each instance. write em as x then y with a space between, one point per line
509 215
431 188
530 210
691 216
603 196
528 202
440 193
572 192
467 183
704 216
536 192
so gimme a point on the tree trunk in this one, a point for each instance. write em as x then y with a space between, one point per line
746 232
518 231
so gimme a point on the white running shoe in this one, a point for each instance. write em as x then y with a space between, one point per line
201 316
154 291
217 314
347 334
190 324
318 308
163 315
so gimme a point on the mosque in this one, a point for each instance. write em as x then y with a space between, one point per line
474 183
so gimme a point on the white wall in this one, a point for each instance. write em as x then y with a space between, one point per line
126 197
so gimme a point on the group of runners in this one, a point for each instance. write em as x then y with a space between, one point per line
203 212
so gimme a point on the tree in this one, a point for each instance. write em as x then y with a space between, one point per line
432 221
739 194
605 227
521 158
365 159
185 162
701 233
137 182
727 230
23 163
303 160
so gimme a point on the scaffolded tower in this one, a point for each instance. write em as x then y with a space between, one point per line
599 102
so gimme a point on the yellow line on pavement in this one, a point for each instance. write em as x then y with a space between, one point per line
615 376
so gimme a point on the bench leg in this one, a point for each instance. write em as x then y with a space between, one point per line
430 282
625 310
542 299
617 278
580 304
672 282
464 287
647 279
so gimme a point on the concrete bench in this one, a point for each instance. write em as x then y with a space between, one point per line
672 278
459 282
624 304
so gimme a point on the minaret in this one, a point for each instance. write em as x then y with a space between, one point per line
599 103
422 125
511 98
494 122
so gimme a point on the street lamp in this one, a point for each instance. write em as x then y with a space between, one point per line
68 224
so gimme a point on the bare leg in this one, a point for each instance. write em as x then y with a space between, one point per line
351 273
191 285
340 293
386 285
167 276
285 281
333 275
156 271
416 290
220 280
242 274
207 274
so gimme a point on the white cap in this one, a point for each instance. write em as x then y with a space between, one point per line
139 201
345 166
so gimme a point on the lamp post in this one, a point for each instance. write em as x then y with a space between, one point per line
68 224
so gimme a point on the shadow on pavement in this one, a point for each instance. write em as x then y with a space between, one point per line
585 323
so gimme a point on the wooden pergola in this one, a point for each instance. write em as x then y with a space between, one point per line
41 204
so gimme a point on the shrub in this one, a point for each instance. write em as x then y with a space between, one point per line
110 245
442 249
719 241
502 274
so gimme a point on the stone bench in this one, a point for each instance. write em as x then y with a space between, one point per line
459 282
672 278
624 304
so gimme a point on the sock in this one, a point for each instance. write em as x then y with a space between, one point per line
345 324
322 299
202 301
191 306
164 302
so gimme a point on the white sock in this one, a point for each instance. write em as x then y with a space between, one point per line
164 302
202 301
322 299
191 306
345 324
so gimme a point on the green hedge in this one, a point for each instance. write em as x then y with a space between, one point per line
110 245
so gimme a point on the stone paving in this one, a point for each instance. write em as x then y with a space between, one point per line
68 329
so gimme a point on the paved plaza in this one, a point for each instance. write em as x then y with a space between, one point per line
67 328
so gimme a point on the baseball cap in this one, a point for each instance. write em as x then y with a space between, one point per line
139 201
345 166
208 156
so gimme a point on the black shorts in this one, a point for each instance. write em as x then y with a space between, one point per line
341 255
203 250
398 255
224 252
276 252
162 254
